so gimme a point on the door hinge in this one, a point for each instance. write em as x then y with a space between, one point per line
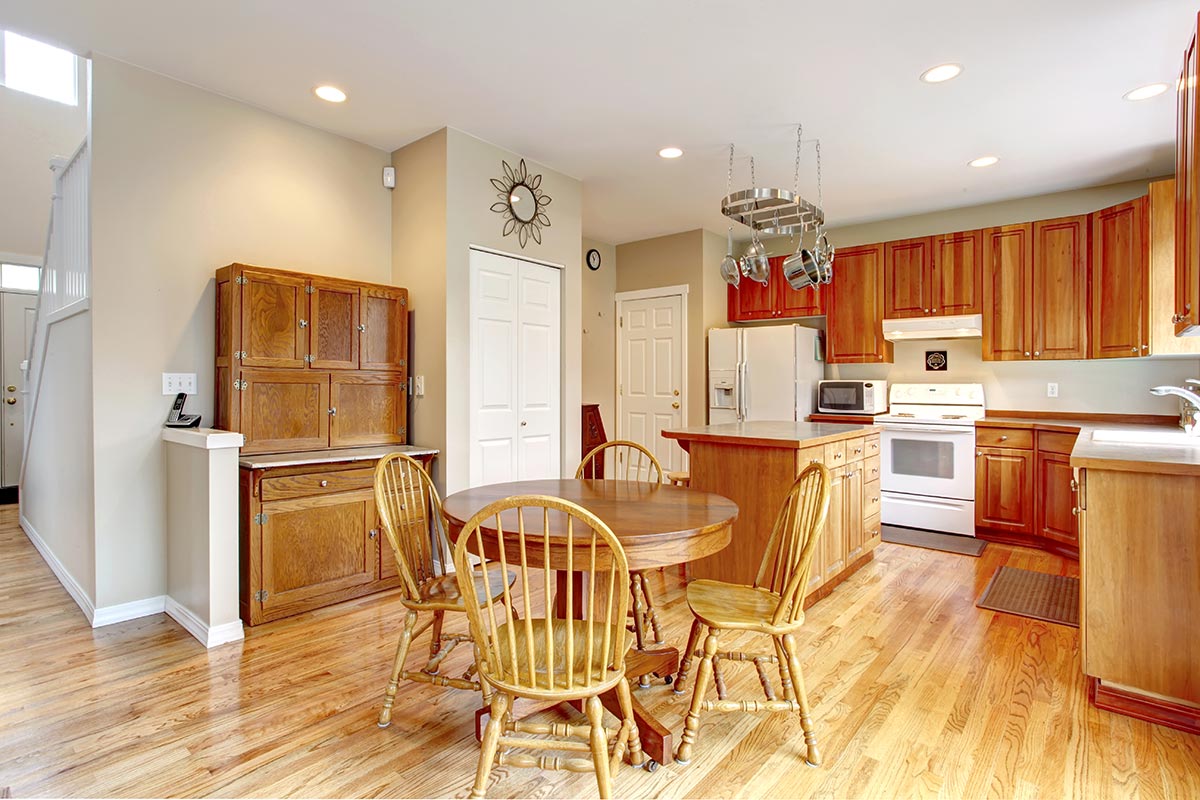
333 411
240 355
261 595
621 389
240 280
402 362
310 359
310 289
239 385
260 519
403 431
621 321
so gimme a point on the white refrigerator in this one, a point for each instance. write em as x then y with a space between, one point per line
766 373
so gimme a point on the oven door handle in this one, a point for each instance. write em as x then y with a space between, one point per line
886 427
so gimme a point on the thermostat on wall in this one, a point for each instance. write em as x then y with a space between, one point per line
389 177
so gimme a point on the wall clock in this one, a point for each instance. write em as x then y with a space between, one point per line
593 259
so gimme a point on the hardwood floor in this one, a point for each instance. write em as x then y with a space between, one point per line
916 693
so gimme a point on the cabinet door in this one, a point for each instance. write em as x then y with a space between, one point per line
1120 281
854 328
314 546
333 341
1056 498
789 302
751 300
957 284
384 329
1004 489
836 542
1060 299
283 410
1008 293
908 267
1187 226
274 320
854 500
368 408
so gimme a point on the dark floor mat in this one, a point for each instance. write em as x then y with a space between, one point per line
946 542
1051 598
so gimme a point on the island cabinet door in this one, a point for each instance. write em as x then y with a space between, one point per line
852 494
274 320
314 548
1004 489
367 408
284 410
384 328
1008 293
333 342
837 536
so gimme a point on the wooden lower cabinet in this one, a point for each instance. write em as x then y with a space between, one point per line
310 537
1003 489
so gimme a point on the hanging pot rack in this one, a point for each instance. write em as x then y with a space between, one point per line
772 211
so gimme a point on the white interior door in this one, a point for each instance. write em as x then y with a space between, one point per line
16 330
516 341
650 338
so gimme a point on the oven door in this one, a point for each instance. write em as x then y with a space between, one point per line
931 461
847 397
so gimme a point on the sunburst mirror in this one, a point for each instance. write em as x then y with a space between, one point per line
522 202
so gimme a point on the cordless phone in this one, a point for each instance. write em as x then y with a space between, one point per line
177 419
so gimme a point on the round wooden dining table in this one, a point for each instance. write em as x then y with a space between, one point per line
658 525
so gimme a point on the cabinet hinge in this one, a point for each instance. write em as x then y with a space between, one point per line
362 328
261 595
239 385
309 290
240 280
333 411
260 519
310 359
240 355
403 431
403 301
402 362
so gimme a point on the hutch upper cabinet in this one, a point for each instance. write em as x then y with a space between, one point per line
306 362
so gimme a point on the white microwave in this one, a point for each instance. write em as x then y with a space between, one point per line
852 397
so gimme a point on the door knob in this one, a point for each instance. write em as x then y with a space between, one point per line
10 388
675 405
12 401
523 423
676 393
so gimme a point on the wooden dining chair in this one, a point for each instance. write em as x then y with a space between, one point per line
545 656
773 606
411 511
628 461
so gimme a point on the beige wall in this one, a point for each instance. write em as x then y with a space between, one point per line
183 182
32 131
600 332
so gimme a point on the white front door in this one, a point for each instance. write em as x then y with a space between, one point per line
16 331
650 383
516 419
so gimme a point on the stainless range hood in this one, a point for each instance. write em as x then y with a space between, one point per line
965 326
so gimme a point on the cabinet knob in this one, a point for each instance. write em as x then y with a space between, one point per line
1027 354
1037 353
935 311
303 323
524 423
1004 438
927 311
333 411
836 456
857 450
324 484
1145 347
1074 485
1134 349
1075 512
374 532
362 328
978 453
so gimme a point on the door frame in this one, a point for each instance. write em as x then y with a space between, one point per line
680 291
562 350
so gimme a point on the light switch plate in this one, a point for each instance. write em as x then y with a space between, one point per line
1051 390
418 386
176 382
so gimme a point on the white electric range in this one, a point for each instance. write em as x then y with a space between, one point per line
927 476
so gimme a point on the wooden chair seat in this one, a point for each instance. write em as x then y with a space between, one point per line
442 592
601 680
731 606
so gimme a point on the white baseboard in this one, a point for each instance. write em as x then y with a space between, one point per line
60 571
147 606
209 637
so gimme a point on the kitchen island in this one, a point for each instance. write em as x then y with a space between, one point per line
755 463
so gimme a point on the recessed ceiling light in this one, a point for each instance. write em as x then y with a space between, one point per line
331 94
940 73
670 152
984 161
1146 92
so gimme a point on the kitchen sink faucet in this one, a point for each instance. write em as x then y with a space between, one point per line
1189 404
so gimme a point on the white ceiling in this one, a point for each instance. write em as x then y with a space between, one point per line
595 89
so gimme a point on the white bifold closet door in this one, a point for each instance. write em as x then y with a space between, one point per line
516 387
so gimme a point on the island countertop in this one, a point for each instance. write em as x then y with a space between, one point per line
789 435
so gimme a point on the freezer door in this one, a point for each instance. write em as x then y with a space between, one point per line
769 373
724 349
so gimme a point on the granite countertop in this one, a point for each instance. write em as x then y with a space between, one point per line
330 456
794 435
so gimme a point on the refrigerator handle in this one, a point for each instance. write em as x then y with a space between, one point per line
745 393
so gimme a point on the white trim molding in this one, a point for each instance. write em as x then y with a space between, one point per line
123 612
209 637
74 589
662 291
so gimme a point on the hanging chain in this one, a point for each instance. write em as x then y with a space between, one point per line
753 182
820 201
729 179
796 177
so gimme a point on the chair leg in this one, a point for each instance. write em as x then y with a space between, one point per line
599 742
685 659
691 725
785 677
491 742
636 757
389 697
813 756
651 612
435 642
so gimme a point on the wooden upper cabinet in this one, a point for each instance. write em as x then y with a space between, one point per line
908 270
854 329
1120 281
284 410
1008 293
956 283
751 300
1187 224
384 328
789 302
274 319
1060 296
367 409
1004 498
334 325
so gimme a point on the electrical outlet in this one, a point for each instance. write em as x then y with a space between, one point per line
418 386
1051 390
176 382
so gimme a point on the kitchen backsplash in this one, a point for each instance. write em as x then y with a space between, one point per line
1109 385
